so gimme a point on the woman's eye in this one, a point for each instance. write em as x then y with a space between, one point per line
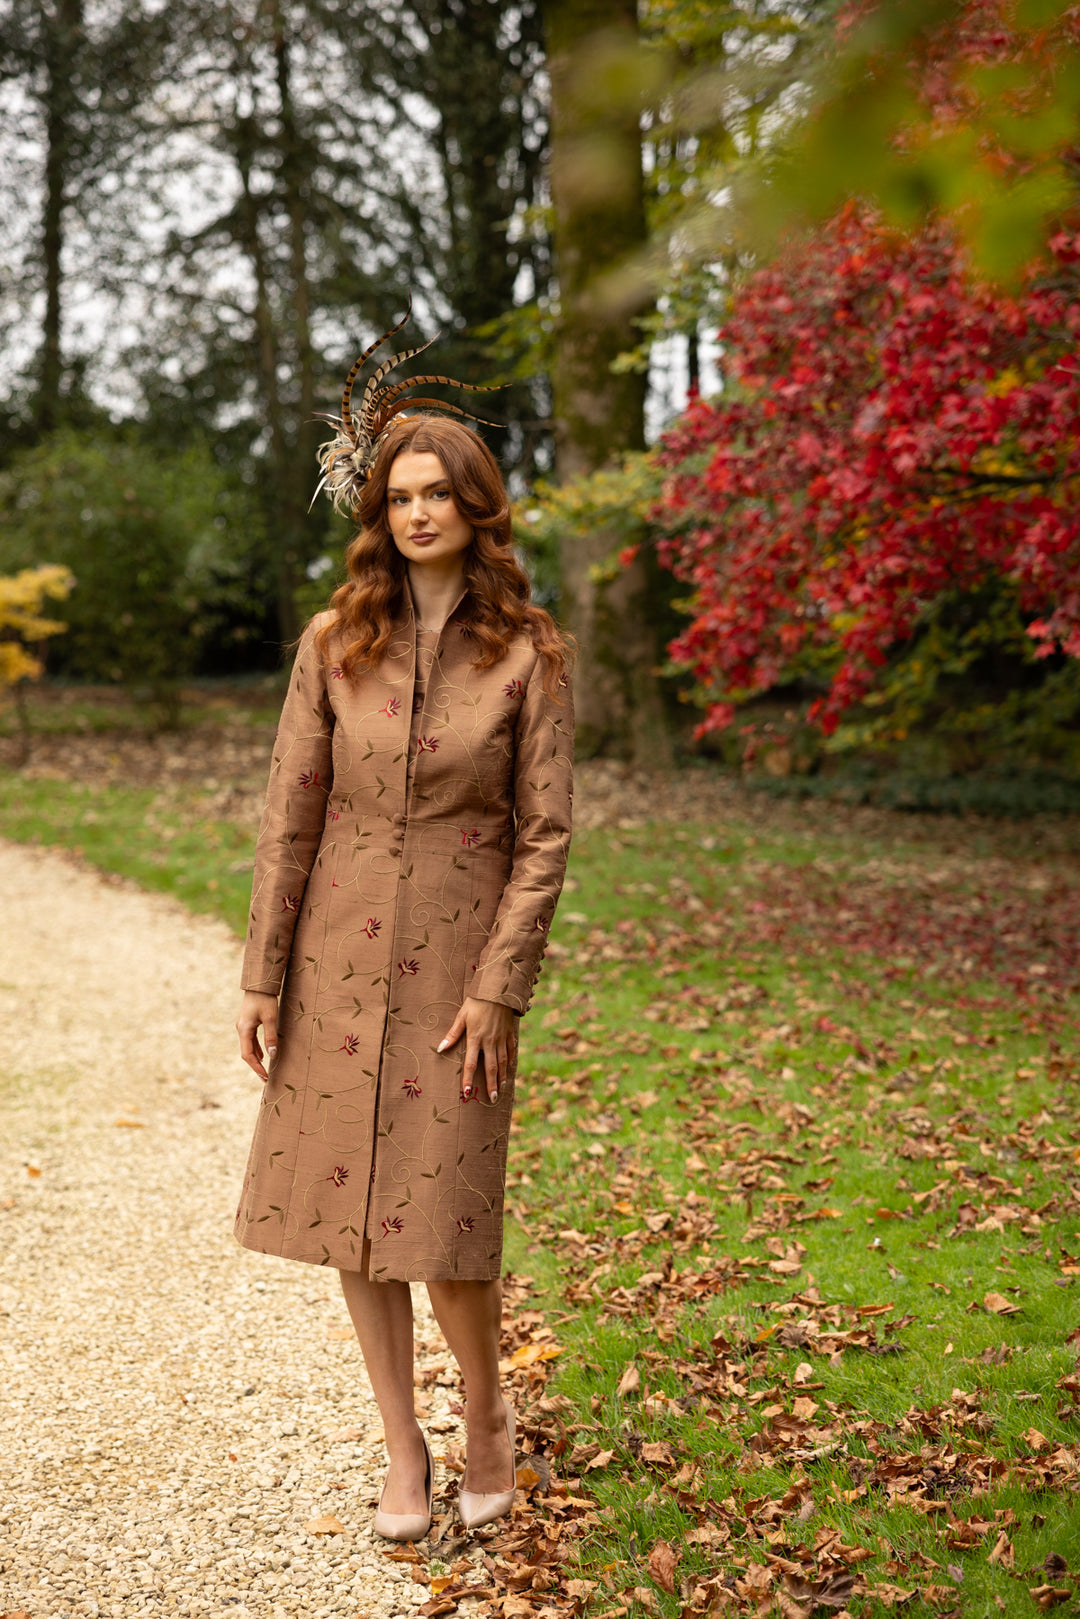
441 494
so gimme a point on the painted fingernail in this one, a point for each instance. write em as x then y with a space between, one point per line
271 1051
442 1045
467 1092
494 1095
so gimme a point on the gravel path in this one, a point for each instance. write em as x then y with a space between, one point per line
173 1409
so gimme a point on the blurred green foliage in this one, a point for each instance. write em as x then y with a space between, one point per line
162 543
616 499
924 107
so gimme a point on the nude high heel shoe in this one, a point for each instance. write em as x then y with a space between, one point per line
475 1509
408 1525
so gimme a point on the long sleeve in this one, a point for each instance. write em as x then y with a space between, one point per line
301 776
543 795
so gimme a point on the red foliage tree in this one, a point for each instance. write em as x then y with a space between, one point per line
891 430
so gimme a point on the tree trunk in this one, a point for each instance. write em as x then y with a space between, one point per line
60 41
599 223
267 349
298 473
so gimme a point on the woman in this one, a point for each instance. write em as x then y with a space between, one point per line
408 866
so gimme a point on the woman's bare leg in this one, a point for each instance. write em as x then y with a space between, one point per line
382 1315
470 1315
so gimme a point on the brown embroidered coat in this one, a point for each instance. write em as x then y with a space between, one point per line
410 854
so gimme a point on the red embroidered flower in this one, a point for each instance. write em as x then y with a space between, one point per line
350 1045
410 966
338 672
396 1224
470 839
541 924
465 1224
309 778
412 1086
333 815
290 902
371 927
392 709
339 1176
427 744
514 688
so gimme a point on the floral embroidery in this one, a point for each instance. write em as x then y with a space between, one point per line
396 1224
542 924
350 1045
410 967
427 744
371 927
465 1224
290 902
309 778
514 688
392 709
471 839
333 815
338 672
339 1176
411 1087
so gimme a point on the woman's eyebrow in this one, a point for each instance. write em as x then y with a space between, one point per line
439 483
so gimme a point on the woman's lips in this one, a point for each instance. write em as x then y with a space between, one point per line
422 539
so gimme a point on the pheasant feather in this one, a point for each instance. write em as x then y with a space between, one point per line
347 459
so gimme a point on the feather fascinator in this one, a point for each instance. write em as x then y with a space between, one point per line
346 460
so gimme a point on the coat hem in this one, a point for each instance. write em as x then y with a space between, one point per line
432 1273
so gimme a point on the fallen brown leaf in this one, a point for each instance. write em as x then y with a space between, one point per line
998 1304
326 1525
1002 1551
529 1354
662 1563
344 1436
338 1335
658 1452
1048 1596
647 1598
629 1382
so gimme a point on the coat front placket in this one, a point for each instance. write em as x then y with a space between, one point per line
377 813
437 1186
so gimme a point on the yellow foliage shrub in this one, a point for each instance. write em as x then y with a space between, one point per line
22 599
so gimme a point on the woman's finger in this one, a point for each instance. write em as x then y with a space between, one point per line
249 1048
492 1070
468 1073
453 1033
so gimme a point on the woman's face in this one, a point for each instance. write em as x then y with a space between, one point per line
426 525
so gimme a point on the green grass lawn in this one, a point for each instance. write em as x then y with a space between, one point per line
795 1177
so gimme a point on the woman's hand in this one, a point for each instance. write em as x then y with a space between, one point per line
257 1009
490 1031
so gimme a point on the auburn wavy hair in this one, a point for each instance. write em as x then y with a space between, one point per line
365 606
